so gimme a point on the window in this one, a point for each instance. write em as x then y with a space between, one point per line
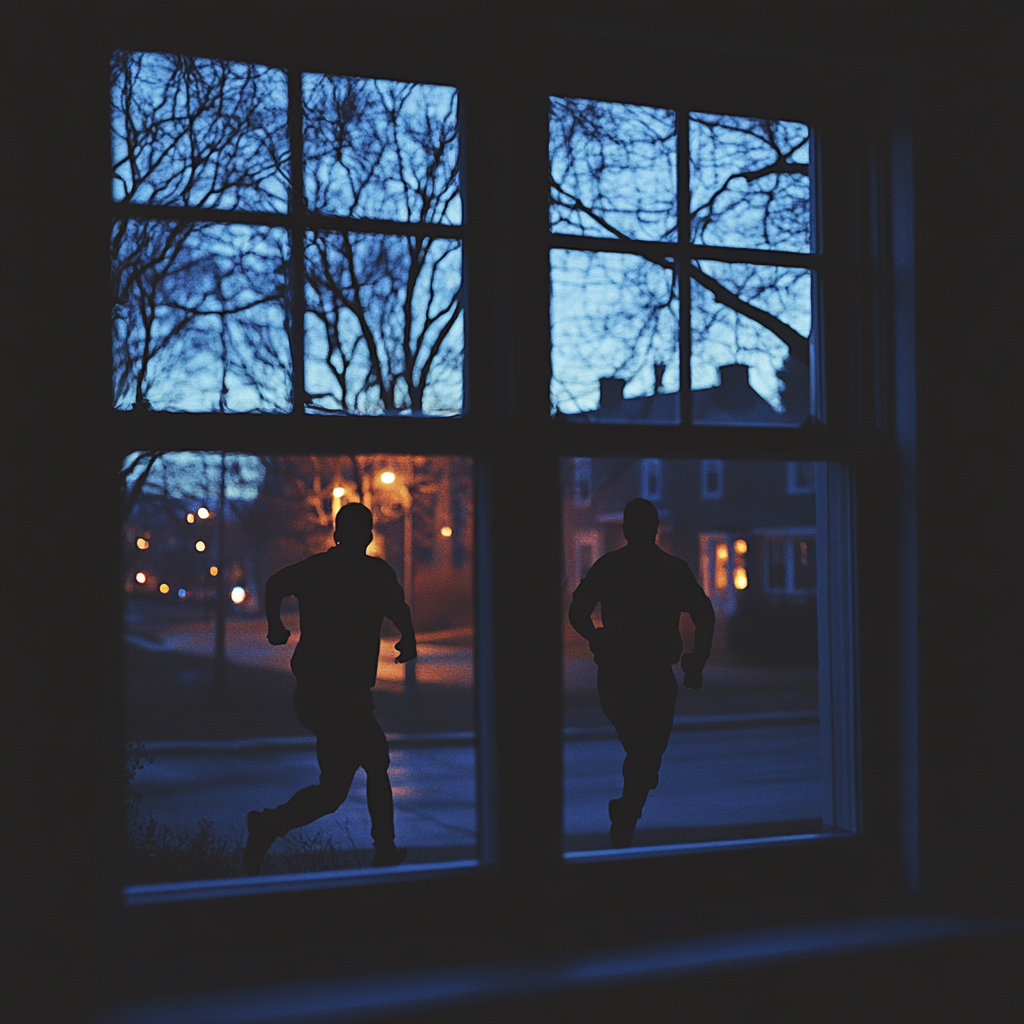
650 479
617 252
581 481
330 292
712 483
261 269
799 478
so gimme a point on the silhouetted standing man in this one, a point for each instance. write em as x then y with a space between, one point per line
344 595
643 591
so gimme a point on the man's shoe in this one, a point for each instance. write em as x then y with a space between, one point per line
623 826
260 838
389 856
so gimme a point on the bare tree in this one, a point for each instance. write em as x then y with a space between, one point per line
384 310
198 307
613 175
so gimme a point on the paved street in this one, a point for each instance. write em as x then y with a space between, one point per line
716 777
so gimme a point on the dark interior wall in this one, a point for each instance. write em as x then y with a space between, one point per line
61 522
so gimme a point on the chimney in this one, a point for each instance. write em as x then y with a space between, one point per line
611 393
659 375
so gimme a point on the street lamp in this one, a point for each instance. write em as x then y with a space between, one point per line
405 497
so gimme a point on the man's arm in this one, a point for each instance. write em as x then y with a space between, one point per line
584 600
702 612
397 610
279 586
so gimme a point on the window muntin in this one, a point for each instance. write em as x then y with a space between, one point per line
712 479
614 317
209 721
745 755
209 317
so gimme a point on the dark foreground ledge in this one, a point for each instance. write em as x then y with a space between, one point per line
905 967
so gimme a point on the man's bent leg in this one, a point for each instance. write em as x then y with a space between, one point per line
639 701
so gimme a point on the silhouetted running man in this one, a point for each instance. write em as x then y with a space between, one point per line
643 591
343 596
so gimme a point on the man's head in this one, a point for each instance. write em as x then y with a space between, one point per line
640 521
353 527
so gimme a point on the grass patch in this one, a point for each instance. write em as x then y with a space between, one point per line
159 853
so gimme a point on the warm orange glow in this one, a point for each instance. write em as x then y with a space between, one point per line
164 589
190 518
721 552
338 492
140 577
739 578
446 531
214 570
740 547
142 543
200 545
203 513
237 595
387 477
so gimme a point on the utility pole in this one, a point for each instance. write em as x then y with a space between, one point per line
219 654
408 582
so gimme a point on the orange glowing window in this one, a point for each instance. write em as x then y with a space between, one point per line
721 566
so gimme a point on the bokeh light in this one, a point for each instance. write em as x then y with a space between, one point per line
140 577
387 477
181 592
214 570
200 545
203 513
142 543
237 595
338 492
190 518
446 531
740 546
739 578
164 589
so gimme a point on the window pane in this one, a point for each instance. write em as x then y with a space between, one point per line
187 131
383 324
743 756
613 170
750 183
211 702
199 319
614 338
751 330
387 150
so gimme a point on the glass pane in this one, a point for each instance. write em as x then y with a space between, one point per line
751 328
388 150
750 183
614 338
187 131
613 170
213 724
199 320
739 756
383 324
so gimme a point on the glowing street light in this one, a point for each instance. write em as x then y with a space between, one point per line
739 578
446 531
740 547
190 518
164 589
387 477
237 595
338 492
214 570
200 545
142 543
203 513
140 577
